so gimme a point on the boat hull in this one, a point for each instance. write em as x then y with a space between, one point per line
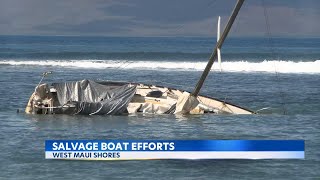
147 99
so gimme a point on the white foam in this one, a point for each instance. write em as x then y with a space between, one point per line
232 66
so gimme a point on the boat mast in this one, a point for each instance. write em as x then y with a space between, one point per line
218 50
218 46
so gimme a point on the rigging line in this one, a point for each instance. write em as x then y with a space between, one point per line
268 33
123 63
234 30
128 63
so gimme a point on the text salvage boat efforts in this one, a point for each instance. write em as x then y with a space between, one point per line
113 146
108 98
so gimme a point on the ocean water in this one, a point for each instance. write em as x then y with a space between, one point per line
282 74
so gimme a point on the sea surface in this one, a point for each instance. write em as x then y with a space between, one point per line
279 74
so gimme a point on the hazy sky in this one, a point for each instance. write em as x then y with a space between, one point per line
156 17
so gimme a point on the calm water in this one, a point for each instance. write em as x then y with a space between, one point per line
165 61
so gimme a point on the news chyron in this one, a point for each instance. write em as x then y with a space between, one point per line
173 149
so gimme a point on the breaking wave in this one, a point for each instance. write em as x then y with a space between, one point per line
312 67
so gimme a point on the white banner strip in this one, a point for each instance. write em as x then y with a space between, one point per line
146 155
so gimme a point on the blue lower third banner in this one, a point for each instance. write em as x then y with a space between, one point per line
173 149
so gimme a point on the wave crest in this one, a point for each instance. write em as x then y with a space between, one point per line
231 66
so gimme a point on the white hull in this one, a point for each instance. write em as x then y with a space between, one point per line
142 103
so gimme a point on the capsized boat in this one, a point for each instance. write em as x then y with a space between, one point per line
108 98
